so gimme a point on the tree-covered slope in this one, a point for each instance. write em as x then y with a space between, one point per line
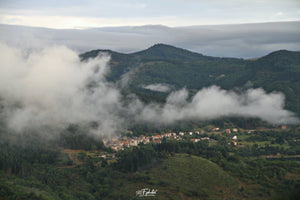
278 71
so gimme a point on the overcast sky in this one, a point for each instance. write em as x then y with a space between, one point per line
196 25
100 13
240 41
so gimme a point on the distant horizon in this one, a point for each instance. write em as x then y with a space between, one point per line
153 25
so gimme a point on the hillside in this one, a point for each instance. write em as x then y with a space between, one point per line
182 176
198 178
65 168
194 176
278 71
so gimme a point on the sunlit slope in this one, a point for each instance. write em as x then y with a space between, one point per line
182 177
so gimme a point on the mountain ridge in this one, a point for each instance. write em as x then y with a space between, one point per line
160 46
161 63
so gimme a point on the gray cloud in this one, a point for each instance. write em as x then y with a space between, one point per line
243 41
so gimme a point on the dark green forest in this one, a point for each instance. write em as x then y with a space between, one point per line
263 166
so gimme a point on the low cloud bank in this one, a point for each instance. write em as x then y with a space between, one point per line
53 88
213 102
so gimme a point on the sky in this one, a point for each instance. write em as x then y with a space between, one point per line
70 14
231 28
239 41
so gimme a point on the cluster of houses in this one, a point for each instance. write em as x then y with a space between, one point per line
122 142
229 131
199 139
119 143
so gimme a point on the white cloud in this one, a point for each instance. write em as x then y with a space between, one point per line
49 88
213 102
159 87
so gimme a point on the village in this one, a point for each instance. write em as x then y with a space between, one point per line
234 137
122 142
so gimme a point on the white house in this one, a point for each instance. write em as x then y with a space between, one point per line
235 130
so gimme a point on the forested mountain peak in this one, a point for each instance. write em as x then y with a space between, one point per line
282 57
163 51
